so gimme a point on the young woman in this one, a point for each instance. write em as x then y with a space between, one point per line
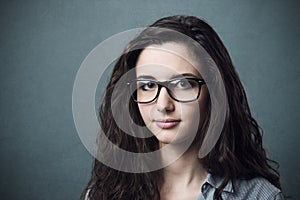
169 75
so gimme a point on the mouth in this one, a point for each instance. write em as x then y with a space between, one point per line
167 123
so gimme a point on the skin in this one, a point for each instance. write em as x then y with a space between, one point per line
183 178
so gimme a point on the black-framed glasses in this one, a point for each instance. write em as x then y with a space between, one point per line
179 89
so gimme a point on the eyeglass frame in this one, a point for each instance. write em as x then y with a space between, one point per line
161 84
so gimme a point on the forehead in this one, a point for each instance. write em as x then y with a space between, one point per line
167 59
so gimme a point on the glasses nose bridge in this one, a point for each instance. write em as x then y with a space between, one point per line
164 84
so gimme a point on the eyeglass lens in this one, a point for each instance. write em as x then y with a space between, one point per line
179 89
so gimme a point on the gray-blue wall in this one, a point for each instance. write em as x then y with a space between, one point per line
43 43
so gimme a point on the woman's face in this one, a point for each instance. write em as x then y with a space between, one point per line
169 120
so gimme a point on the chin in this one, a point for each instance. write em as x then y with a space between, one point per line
166 138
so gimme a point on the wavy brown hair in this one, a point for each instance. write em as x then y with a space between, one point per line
239 152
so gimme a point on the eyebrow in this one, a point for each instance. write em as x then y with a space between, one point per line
172 77
184 75
145 77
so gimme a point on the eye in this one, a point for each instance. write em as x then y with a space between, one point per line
183 84
146 85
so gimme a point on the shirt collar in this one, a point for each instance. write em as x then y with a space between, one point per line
216 181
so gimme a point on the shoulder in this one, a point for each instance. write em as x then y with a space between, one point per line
256 188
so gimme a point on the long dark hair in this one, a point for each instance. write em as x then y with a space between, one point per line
239 152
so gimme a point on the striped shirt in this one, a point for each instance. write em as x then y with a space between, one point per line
256 188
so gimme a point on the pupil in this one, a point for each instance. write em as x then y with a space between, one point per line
182 83
150 85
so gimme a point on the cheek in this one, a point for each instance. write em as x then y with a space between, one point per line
190 113
144 110
196 112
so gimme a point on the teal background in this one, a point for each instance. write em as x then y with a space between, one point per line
43 43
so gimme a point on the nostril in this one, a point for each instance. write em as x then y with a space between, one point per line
165 109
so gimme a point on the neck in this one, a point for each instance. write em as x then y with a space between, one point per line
186 170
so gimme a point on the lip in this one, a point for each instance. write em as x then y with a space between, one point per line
167 123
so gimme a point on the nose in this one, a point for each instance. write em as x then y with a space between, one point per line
164 102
